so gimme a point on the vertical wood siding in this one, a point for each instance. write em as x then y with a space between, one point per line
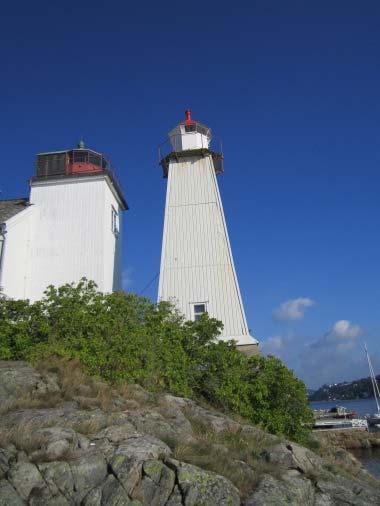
67 236
196 259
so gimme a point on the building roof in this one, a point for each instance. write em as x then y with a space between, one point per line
9 208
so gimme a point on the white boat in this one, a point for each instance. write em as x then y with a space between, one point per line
374 419
334 424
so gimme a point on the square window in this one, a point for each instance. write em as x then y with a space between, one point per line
199 309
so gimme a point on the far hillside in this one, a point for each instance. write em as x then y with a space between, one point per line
358 389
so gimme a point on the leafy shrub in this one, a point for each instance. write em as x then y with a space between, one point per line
121 337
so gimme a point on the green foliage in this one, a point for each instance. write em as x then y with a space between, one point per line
122 337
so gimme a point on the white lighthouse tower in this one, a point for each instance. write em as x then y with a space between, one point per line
197 269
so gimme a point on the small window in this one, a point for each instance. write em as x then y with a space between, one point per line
94 159
80 156
115 221
190 128
199 309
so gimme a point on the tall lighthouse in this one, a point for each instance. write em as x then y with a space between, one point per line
197 269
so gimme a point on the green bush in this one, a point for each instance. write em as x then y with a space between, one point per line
122 337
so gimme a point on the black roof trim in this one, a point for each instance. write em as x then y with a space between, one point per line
187 153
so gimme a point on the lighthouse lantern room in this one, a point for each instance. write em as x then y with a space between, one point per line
190 134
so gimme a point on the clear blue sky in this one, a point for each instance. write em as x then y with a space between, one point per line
293 90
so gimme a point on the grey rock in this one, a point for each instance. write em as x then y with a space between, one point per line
88 472
176 498
178 422
128 471
138 393
117 457
37 418
157 484
56 441
116 433
58 477
259 434
40 496
144 419
16 379
323 500
48 384
143 447
87 402
87 421
349 492
6 457
211 419
178 402
130 404
347 460
246 471
22 456
25 477
8 495
292 489
203 488
153 423
93 498
113 494
104 447
293 456
83 442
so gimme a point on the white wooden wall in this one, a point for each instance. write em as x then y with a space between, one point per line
16 259
196 261
67 236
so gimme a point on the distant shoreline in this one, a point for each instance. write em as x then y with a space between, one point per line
346 391
341 399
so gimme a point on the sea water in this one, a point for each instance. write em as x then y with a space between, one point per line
369 457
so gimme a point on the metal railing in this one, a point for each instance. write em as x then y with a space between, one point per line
166 147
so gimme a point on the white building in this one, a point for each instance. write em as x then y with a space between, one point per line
197 269
69 228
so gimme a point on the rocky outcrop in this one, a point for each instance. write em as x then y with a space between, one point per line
292 489
201 487
142 452
19 378
349 439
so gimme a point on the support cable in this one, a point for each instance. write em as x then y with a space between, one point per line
149 284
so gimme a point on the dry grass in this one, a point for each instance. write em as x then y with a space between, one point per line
42 456
86 427
219 459
75 384
23 436
232 454
32 401
137 393
341 462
